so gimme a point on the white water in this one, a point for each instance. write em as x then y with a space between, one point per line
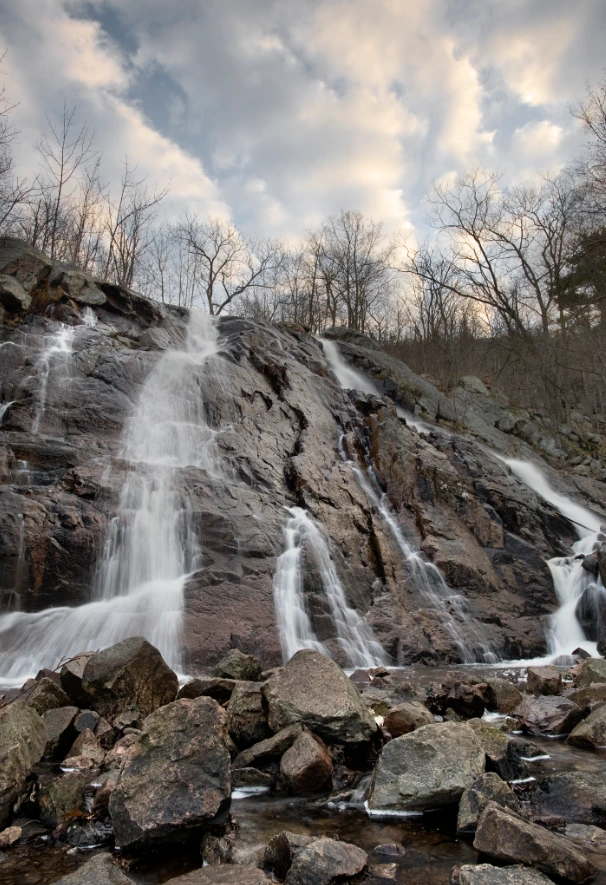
151 546
296 632
90 317
570 579
53 359
4 409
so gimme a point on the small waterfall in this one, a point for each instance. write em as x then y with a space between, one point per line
427 578
4 409
151 545
296 632
57 354
570 580
348 378
90 317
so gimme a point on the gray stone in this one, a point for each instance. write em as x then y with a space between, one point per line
591 732
573 795
592 670
311 689
71 678
502 753
22 742
219 689
325 861
548 715
485 874
12 294
429 768
45 695
86 744
225 874
236 665
61 799
281 849
99 870
487 788
60 730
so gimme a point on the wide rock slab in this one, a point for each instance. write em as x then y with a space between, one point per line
505 837
313 690
427 769
486 874
132 672
22 742
175 777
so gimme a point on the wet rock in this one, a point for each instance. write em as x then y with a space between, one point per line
486 874
132 672
12 294
269 749
591 732
281 849
225 874
45 695
246 716
544 681
592 838
101 800
22 743
60 731
502 754
326 861
548 715
594 693
306 765
62 798
502 696
219 689
86 744
71 678
505 837
176 775
429 768
592 670
487 788
236 665
407 717
312 690
9 836
251 777
89 834
99 870
575 796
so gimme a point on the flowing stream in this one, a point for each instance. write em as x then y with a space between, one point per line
570 579
296 632
151 545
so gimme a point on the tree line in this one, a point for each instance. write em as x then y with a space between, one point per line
511 284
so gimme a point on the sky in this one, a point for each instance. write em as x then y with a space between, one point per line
276 113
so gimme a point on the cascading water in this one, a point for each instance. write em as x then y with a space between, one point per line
56 354
571 581
296 632
151 545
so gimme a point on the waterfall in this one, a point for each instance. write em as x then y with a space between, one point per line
570 579
348 378
296 632
151 545
57 353
4 409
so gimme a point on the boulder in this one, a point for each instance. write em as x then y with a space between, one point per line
548 715
594 693
12 294
132 672
219 689
313 690
588 837
237 665
175 777
60 731
407 717
429 768
86 744
22 743
573 795
281 849
507 838
61 799
269 749
591 732
502 754
71 678
592 670
486 874
99 870
325 861
502 696
306 765
118 754
45 695
487 788
226 874
544 681
246 716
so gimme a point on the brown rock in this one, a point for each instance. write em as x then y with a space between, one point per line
225 874
544 681
99 870
502 696
487 788
219 689
45 695
246 716
60 731
236 665
406 718
325 861
269 749
86 744
71 678
9 836
548 715
22 743
281 849
306 765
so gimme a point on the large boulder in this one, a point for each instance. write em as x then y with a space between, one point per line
592 670
45 695
306 765
502 696
175 777
22 743
591 732
502 754
507 838
99 870
313 690
12 294
544 680
236 665
325 861
486 874
548 715
429 768
572 795
130 673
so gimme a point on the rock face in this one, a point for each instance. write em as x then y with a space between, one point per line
429 768
132 672
22 743
313 690
175 777
281 417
